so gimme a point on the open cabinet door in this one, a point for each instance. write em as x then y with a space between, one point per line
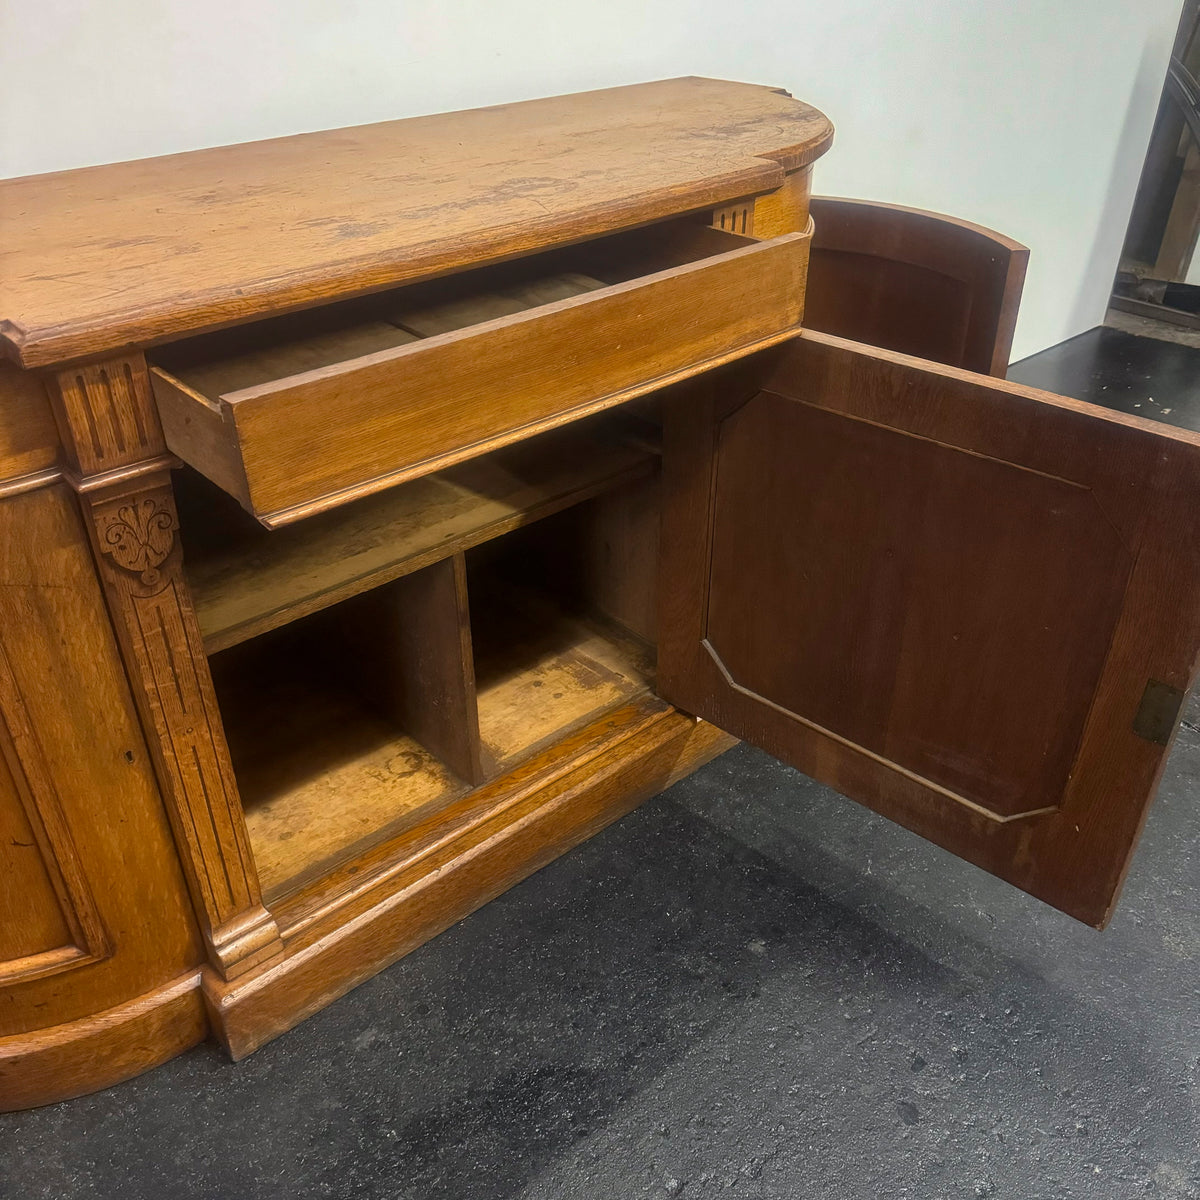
972 606
918 282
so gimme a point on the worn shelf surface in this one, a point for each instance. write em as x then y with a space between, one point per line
324 772
246 581
541 672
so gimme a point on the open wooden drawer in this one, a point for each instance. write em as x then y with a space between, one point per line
302 413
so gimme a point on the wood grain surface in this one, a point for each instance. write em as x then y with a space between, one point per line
103 1048
28 438
420 667
103 857
679 297
386 302
473 851
103 258
246 580
914 281
954 599
114 447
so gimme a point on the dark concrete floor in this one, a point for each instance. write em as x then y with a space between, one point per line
749 987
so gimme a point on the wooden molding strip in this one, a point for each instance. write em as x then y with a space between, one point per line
101 1050
20 484
491 855
22 750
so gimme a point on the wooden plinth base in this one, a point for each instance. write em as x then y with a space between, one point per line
349 926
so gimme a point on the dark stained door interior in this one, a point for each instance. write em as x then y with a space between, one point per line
973 606
918 282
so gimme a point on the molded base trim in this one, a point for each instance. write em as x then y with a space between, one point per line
99 1051
491 857
493 853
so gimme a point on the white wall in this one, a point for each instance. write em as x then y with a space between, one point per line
1031 116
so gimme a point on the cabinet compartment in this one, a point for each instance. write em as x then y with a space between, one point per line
375 664
246 581
548 657
325 765
542 671
308 412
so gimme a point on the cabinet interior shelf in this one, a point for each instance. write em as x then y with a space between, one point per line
324 773
246 581
377 663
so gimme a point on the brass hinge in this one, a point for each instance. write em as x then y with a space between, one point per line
1158 712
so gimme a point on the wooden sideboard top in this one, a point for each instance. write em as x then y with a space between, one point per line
102 258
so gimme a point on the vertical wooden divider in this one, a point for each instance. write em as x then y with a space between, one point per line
407 644
620 555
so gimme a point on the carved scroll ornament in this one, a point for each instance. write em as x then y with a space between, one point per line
139 537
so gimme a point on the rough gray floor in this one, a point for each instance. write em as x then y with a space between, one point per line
750 987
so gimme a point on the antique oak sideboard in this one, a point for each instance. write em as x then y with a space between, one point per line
385 510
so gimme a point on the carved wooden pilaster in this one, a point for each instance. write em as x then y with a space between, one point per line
110 427
735 218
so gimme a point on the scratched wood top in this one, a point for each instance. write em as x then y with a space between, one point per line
102 258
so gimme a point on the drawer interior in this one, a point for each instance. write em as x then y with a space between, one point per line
381 668
250 356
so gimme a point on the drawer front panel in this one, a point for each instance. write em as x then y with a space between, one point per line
298 445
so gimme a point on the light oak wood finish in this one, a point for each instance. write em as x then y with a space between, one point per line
111 433
784 209
407 647
970 605
330 765
102 1049
246 581
172 245
620 543
506 301
74 894
62 687
28 437
398 413
541 672
540 263
478 849
967 604
316 910
323 769
52 922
